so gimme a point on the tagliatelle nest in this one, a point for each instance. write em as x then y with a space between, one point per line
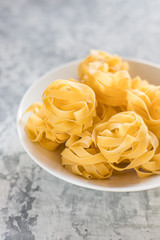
83 158
125 141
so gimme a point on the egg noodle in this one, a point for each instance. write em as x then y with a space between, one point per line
107 121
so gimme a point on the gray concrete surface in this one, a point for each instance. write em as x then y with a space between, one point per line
36 36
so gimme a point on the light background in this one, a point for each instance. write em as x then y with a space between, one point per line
36 36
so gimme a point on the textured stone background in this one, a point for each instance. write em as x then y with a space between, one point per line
36 36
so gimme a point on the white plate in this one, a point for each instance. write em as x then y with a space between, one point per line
51 161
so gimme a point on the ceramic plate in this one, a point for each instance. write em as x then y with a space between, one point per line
51 161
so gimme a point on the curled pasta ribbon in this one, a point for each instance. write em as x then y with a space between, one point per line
69 106
109 86
103 113
147 105
110 89
149 168
142 85
38 130
125 141
101 60
82 158
152 91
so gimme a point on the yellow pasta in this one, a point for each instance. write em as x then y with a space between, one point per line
107 76
108 121
40 131
103 113
70 106
139 102
110 89
152 91
82 158
125 141
101 60
142 85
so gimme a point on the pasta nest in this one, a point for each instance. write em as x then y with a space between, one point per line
108 87
38 129
103 61
146 102
82 158
69 106
125 141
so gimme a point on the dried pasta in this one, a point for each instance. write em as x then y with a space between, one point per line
107 76
82 158
125 141
139 102
68 108
39 130
107 121
101 60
